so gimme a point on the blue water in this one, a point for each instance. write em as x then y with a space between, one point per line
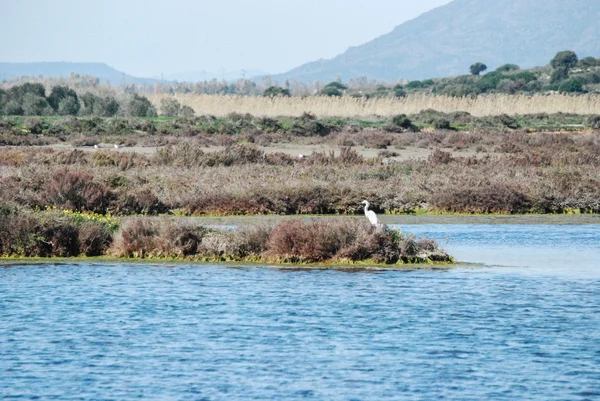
523 325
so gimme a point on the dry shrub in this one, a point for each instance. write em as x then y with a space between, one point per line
242 244
137 238
142 238
85 141
76 190
343 239
182 155
492 198
438 157
94 239
142 201
122 160
347 157
313 241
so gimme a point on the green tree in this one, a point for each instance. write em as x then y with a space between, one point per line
68 106
99 106
399 91
414 85
573 85
477 68
508 68
13 108
59 93
564 60
35 105
337 85
333 89
558 75
186 111
274 91
139 106
17 93
588 62
169 107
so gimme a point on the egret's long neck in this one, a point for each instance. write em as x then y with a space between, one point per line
366 207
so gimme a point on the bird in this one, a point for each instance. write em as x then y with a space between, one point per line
373 219
95 146
116 146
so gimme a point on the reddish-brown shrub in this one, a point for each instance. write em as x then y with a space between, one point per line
438 157
143 201
76 190
94 239
312 241
145 237
492 198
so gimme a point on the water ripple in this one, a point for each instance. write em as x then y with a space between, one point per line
72 332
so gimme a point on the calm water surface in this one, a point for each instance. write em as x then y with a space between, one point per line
524 325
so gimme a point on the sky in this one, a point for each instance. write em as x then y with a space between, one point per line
147 38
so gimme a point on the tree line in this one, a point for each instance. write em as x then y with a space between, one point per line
31 99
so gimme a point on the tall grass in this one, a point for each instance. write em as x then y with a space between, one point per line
486 105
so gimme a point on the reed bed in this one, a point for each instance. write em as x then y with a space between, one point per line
322 106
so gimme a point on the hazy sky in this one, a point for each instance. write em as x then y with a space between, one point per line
150 37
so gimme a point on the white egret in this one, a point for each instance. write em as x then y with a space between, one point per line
116 146
373 219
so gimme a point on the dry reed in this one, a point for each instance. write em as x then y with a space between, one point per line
486 105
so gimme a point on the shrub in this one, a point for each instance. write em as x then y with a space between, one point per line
143 201
491 198
594 122
50 233
414 85
400 123
76 190
144 237
507 68
186 112
94 239
442 124
438 157
169 107
572 85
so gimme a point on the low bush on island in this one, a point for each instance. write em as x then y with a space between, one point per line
53 233
62 233
342 240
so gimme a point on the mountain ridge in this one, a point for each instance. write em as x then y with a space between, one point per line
102 71
445 41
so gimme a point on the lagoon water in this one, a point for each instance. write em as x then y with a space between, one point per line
519 320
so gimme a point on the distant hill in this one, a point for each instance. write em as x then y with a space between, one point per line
447 40
198 76
56 69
